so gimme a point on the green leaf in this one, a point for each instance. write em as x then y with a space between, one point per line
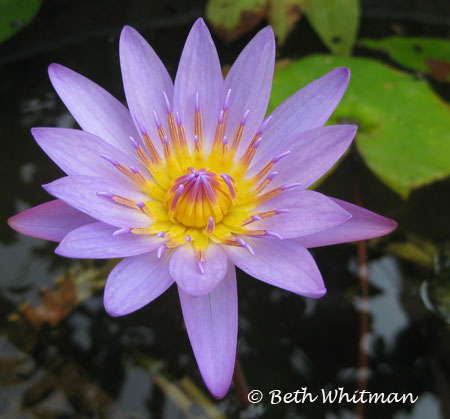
428 55
404 128
232 18
336 22
283 15
15 15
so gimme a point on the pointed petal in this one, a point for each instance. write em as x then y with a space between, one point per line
145 80
81 193
199 72
186 272
211 322
313 153
363 225
284 264
309 212
309 108
95 110
49 221
79 153
135 282
250 81
96 241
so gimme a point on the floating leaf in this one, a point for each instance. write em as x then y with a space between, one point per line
72 288
427 55
416 250
232 18
15 15
404 128
336 22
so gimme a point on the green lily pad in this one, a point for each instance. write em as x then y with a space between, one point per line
427 55
336 22
15 15
232 18
404 128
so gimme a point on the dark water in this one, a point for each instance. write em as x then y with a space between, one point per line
88 365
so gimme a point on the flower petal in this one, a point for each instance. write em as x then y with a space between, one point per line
211 322
79 153
145 80
250 81
308 108
95 110
49 221
282 263
185 269
312 154
199 72
363 225
96 241
135 282
309 212
81 193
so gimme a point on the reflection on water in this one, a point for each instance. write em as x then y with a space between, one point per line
61 356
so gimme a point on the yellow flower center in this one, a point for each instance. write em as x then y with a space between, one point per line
197 197
194 197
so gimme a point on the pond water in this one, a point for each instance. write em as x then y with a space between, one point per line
62 356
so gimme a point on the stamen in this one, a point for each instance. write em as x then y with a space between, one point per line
265 182
177 197
198 130
140 152
245 245
110 160
161 234
210 226
122 231
168 105
264 125
273 234
226 102
105 194
268 166
227 179
160 250
144 208
239 132
289 186
201 267
188 238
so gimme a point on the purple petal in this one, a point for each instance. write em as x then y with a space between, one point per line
145 80
79 153
199 72
96 241
250 81
313 153
49 221
309 108
309 212
81 193
95 110
187 273
363 225
282 263
135 282
211 322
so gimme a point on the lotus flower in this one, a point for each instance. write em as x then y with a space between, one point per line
191 180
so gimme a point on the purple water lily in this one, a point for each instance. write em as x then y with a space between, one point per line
191 180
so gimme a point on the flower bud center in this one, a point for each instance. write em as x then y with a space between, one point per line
195 197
